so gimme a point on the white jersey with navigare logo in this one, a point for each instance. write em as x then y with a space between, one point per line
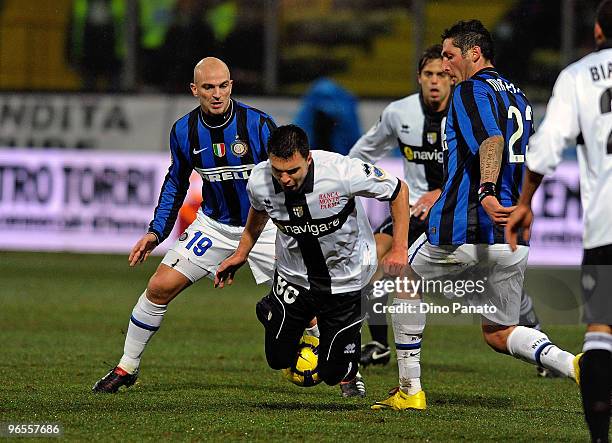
408 126
324 241
580 112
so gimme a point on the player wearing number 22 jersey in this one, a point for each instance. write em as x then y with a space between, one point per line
485 140
483 106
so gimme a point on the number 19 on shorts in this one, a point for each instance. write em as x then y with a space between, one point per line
199 243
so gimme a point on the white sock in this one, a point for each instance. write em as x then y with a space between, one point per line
597 340
144 322
533 346
408 326
314 331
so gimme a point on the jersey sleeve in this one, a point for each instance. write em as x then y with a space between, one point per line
254 198
378 141
266 126
559 129
367 180
173 191
476 114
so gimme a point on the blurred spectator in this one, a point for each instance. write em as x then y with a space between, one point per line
239 32
154 19
230 29
96 43
329 116
189 38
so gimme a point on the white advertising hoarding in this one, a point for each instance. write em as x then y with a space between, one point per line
77 200
94 201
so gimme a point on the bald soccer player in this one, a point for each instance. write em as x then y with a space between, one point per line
222 139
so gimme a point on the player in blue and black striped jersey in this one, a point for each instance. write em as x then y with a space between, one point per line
485 139
222 139
485 108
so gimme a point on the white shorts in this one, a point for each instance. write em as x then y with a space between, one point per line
499 270
206 243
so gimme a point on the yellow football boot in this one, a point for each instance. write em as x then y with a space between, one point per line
577 368
399 401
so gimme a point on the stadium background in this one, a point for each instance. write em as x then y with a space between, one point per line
82 156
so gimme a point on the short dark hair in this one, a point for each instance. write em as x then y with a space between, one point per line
432 53
287 140
604 18
469 33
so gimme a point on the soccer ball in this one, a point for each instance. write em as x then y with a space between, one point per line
305 370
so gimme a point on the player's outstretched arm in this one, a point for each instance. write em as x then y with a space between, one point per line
522 217
256 222
142 249
396 260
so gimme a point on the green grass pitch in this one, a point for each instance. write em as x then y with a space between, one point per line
204 375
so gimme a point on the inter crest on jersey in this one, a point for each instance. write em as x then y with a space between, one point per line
239 148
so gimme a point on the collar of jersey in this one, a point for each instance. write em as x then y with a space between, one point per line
490 70
307 186
226 119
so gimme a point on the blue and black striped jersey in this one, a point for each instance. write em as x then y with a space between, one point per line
483 106
223 155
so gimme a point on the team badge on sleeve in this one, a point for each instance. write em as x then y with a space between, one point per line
369 169
379 173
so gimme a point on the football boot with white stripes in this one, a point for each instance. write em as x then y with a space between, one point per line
354 388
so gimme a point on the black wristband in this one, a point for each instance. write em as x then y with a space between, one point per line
486 189
156 236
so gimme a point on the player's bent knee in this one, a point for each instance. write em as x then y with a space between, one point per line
330 376
277 361
496 337
164 286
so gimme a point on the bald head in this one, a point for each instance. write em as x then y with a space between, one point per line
212 85
210 64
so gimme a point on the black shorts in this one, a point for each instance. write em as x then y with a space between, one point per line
286 311
416 228
596 282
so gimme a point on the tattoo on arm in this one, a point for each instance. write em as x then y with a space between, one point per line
491 153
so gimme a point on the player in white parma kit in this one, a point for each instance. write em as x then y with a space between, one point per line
325 249
580 112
